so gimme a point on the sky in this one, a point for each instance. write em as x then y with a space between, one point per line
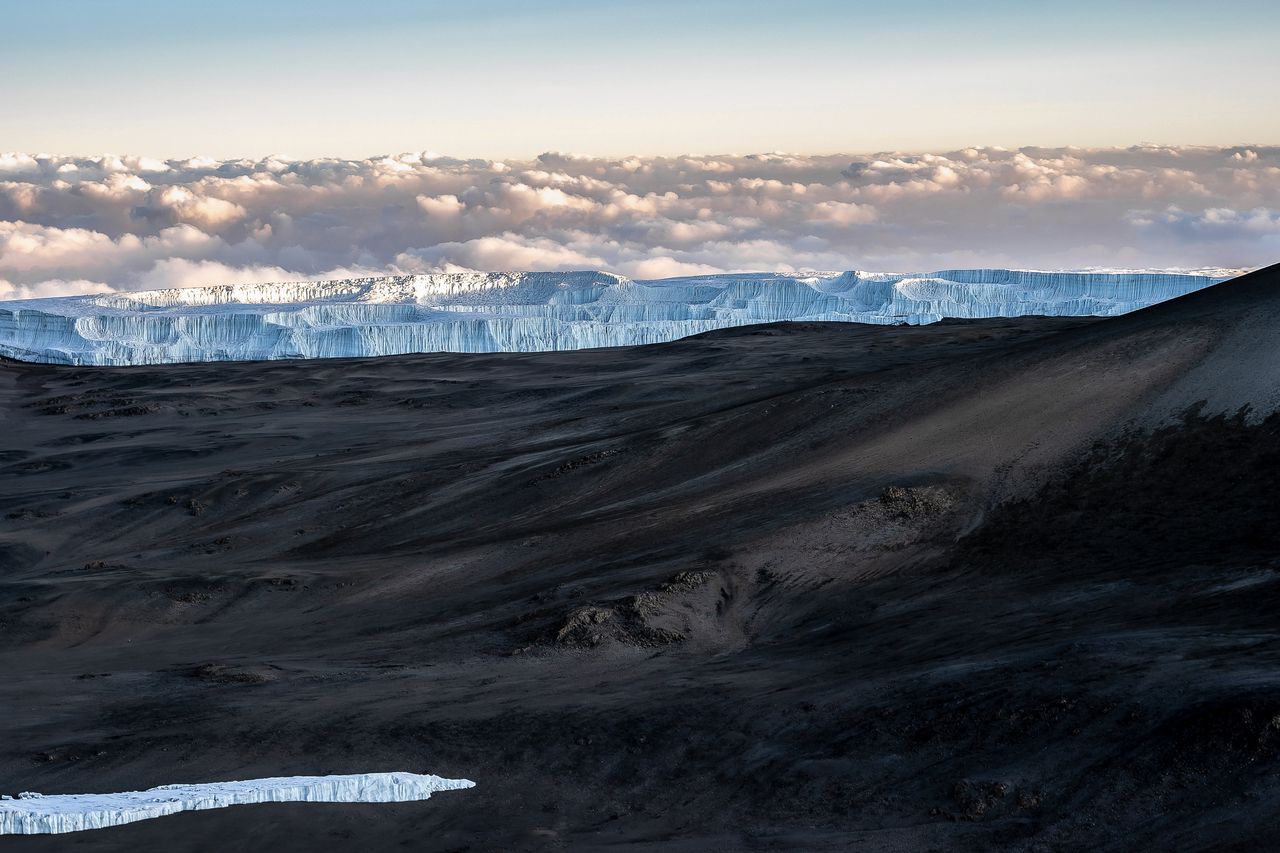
155 143
508 79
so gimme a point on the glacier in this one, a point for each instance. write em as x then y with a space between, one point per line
536 311
36 814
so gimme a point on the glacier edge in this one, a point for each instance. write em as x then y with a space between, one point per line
536 311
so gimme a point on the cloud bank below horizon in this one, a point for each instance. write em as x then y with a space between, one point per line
82 225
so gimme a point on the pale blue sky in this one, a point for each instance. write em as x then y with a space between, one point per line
498 78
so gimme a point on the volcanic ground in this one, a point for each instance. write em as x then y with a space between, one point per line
979 585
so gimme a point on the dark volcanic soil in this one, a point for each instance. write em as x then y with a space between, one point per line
992 585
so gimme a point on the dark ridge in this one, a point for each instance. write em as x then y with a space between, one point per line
990 585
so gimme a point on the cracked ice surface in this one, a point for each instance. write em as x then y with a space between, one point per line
35 814
529 312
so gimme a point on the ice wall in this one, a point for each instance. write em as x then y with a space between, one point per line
35 814
525 312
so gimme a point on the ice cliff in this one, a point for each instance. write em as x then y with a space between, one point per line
34 814
523 312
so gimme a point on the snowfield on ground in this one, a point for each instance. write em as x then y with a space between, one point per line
36 814
535 311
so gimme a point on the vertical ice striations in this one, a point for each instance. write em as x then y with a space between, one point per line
523 312
34 814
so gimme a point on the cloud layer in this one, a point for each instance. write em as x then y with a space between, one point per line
78 225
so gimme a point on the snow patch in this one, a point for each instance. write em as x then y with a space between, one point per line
37 814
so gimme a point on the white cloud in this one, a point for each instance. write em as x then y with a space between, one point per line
504 252
177 272
28 251
666 268
130 222
444 206
17 162
51 287
206 212
1215 223
843 213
